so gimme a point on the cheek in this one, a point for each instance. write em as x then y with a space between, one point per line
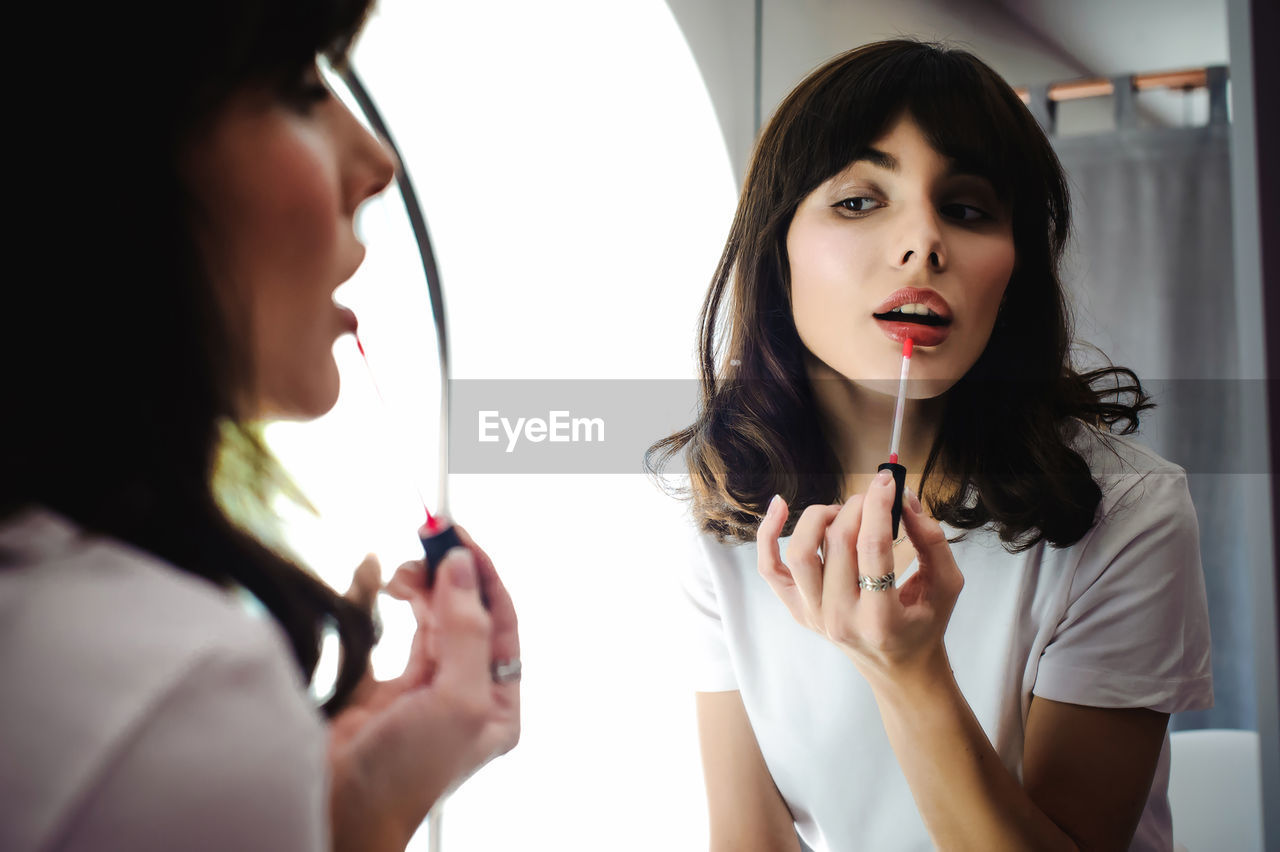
290 249
991 270
297 215
271 220
824 262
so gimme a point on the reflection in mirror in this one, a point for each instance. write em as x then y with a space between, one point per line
1150 268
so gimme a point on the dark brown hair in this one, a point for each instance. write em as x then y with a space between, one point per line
1003 440
125 364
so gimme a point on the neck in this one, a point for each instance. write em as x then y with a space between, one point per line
858 420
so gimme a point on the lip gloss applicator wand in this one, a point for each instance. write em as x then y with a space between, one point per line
899 471
437 534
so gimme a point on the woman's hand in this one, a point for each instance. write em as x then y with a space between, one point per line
885 633
403 743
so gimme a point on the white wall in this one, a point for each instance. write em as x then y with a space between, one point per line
571 170
721 35
1028 42
800 35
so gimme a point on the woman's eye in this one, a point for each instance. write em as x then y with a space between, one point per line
307 90
965 212
309 94
857 204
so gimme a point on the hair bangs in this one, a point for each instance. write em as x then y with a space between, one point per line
967 112
838 113
231 45
287 36
977 139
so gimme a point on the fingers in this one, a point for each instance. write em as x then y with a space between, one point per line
840 559
463 628
365 583
802 552
420 669
876 540
506 634
408 581
483 562
936 562
925 533
407 584
876 536
769 560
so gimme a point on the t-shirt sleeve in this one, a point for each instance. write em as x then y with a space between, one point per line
1135 630
231 757
710 666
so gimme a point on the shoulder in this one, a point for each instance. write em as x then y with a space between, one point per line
76 601
1132 627
115 662
1136 482
1145 541
707 557
1111 455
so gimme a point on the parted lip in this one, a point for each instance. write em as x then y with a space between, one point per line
916 295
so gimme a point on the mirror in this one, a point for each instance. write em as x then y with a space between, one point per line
534 150
1152 271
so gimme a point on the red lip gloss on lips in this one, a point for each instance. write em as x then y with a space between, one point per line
899 472
437 534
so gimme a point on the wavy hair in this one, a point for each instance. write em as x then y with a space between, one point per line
126 371
1002 455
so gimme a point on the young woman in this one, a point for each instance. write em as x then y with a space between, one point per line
1001 675
189 186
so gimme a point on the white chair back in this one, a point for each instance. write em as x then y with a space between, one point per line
1215 790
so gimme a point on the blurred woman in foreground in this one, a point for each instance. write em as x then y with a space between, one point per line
192 213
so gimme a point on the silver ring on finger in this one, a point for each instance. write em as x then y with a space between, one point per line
877 584
505 671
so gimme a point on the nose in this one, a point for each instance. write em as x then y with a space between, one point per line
370 166
920 243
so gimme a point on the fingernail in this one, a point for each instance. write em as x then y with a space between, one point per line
913 502
462 571
884 477
773 504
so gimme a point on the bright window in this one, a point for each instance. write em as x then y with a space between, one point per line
578 193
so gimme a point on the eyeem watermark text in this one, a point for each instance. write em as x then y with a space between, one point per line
558 428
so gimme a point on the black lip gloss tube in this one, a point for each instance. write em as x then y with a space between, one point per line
899 482
438 537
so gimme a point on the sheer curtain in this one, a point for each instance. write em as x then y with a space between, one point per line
1150 277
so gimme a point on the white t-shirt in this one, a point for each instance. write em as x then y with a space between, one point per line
144 708
1118 619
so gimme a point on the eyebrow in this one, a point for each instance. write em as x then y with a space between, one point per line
876 157
885 160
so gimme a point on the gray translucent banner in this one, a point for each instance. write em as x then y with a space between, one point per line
563 426
605 426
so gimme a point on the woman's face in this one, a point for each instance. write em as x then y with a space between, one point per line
898 246
277 179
